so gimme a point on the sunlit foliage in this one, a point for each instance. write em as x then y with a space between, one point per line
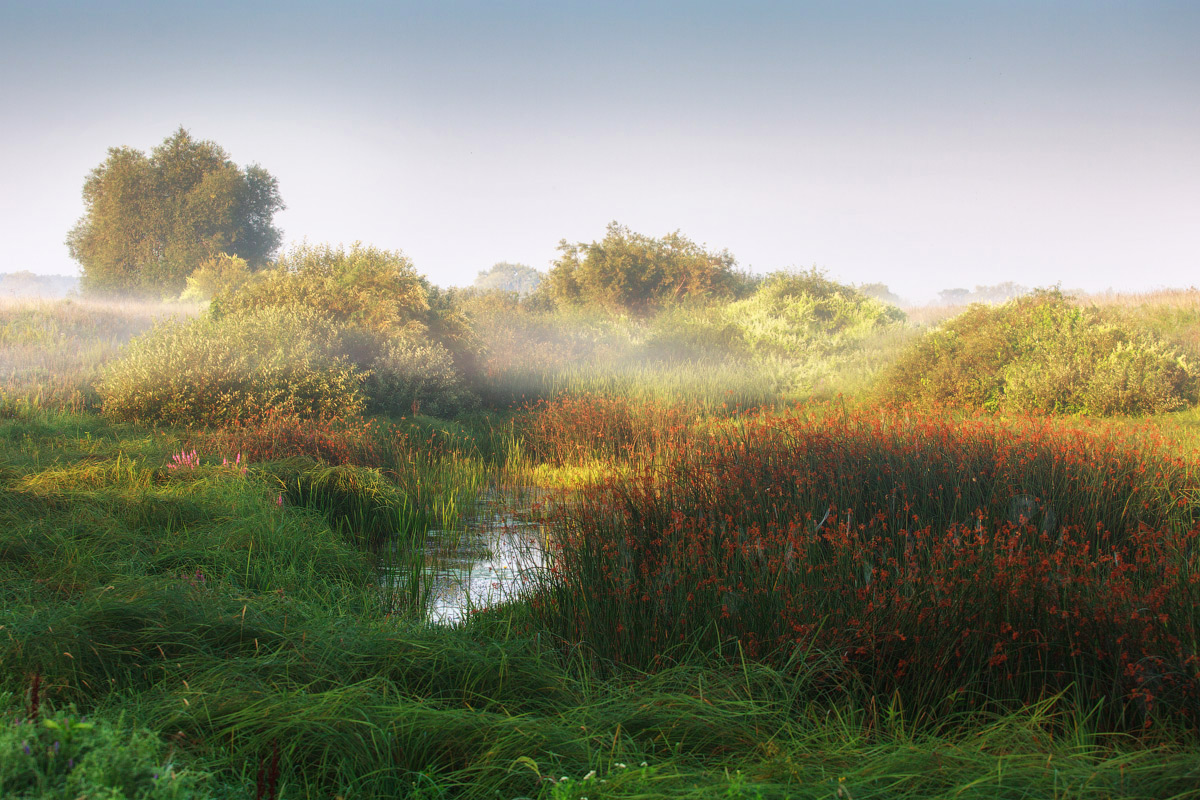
150 221
633 272
1043 353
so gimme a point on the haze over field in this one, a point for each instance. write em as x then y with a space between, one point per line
928 146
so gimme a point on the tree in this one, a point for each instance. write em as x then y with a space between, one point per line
954 297
880 291
508 277
631 272
150 221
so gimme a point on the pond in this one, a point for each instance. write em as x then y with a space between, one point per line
496 557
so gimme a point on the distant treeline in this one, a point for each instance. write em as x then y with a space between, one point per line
27 284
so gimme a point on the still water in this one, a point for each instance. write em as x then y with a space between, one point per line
496 557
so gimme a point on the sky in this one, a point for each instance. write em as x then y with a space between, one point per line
925 145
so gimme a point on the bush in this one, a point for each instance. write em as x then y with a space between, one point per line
373 295
628 271
794 312
215 371
222 273
60 755
375 289
415 376
1041 353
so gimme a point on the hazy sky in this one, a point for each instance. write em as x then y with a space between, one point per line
922 144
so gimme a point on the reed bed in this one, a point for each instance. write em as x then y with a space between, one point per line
949 562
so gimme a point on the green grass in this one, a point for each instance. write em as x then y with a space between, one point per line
190 605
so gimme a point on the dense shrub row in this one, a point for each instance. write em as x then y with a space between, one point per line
325 333
389 342
218 370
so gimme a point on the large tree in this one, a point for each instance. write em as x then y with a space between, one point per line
149 221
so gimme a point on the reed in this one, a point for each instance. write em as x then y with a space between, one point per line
948 561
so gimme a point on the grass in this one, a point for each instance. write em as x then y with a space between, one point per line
188 603
947 562
209 601
51 352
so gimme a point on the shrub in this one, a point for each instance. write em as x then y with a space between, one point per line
215 371
1041 353
629 271
795 312
223 273
415 376
375 289
372 295
61 755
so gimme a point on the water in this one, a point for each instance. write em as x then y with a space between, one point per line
495 558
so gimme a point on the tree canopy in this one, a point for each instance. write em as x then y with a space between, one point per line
507 277
632 272
149 221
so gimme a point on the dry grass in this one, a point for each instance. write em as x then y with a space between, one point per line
1174 299
51 350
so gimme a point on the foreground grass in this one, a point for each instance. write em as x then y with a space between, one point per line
225 638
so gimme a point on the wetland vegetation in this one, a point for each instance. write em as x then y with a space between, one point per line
788 540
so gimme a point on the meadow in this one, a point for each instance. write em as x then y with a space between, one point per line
800 545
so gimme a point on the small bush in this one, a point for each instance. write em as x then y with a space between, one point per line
415 376
797 312
629 271
215 371
367 287
372 295
1041 353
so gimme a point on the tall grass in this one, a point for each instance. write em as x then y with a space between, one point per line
948 561
177 595
52 352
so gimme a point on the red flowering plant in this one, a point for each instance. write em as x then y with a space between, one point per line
940 558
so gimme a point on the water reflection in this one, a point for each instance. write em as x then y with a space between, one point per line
494 559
